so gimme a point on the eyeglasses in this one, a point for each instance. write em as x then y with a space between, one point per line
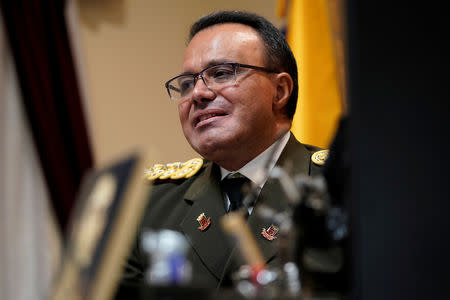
215 78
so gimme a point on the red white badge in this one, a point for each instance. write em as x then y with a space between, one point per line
203 221
270 233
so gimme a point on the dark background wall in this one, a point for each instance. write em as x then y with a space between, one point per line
399 147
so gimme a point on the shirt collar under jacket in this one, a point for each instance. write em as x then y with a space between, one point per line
255 170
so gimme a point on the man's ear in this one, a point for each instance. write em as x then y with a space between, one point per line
284 85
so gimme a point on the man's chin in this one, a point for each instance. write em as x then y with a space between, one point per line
210 150
214 141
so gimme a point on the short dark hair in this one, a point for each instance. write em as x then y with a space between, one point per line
278 53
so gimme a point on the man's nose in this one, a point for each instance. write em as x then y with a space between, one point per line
201 91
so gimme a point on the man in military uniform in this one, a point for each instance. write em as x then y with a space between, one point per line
236 97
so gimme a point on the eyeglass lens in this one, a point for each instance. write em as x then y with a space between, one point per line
215 77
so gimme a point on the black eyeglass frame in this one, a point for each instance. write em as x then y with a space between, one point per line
200 74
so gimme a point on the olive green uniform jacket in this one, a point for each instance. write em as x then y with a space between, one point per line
176 205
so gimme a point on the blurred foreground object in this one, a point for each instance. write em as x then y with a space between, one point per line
254 279
109 208
167 255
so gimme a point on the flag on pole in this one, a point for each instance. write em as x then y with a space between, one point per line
310 37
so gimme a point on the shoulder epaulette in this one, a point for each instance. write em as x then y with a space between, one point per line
320 157
176 170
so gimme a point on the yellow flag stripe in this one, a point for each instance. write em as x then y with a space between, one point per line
319 104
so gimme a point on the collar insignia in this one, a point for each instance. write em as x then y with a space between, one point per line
203 221
270 233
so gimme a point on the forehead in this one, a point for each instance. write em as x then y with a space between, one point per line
229 42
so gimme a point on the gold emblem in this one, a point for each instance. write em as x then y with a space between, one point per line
270 233
154 172
320 157
203 221
174 170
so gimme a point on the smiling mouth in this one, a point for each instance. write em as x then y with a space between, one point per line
208 116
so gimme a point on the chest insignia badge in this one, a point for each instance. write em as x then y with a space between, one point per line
270 233
203 221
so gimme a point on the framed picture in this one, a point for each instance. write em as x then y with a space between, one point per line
104 223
